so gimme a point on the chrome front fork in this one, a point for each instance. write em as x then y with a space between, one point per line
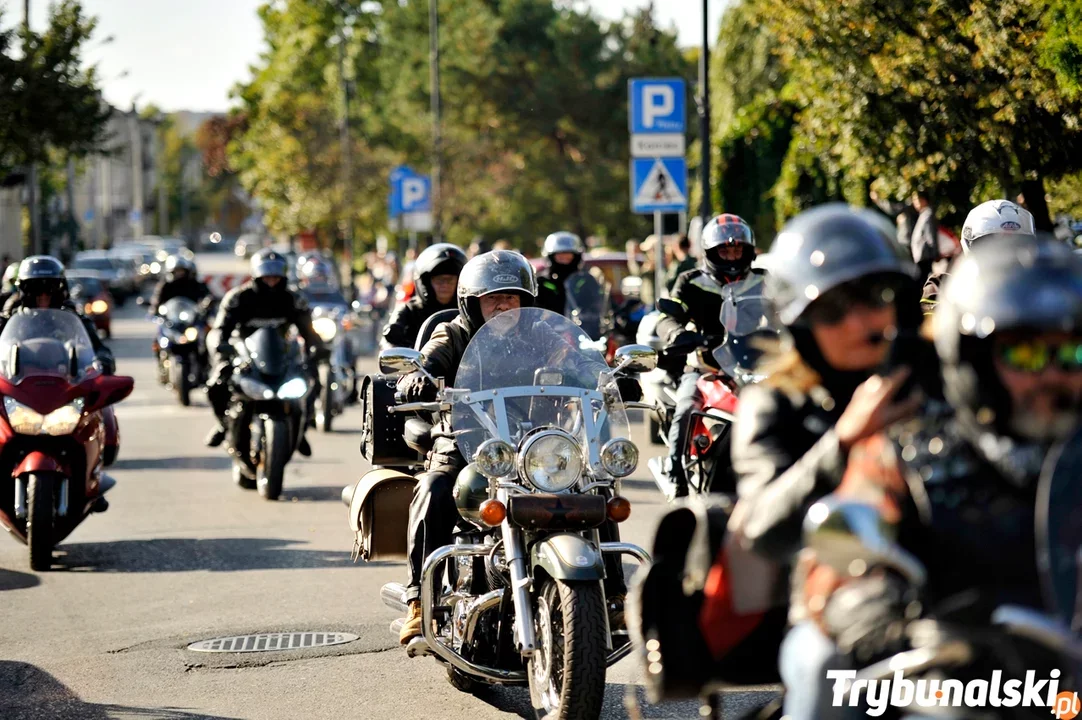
519 569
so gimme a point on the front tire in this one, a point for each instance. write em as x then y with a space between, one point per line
180 369
276 450
567 673
40 491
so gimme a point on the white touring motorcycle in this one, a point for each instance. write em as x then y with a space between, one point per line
518 598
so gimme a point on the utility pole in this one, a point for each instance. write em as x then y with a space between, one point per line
347 158
437 134
72 224
136 132
32 174
705 210
159 164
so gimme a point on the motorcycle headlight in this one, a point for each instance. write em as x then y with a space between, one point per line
99 307
63 421
293 389
155 267
255 389
27 421
326 328
551 461
619 457
495 458
192 334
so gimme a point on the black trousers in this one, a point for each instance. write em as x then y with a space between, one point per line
433 516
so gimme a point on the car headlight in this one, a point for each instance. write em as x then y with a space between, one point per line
255 389
293 389
619 457
27 421
192 334
495 458
326 328
99 307
551 461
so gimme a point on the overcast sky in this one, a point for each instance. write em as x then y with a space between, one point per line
187 54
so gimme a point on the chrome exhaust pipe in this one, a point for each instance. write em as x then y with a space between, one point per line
394 596
20 498
486 602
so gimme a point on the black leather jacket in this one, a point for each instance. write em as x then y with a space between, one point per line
406 321
16 302
190 288
699 297
245 306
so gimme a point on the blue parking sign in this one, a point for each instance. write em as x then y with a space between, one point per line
658 106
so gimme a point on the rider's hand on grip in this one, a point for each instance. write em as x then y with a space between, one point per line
867 616
630 391
417 388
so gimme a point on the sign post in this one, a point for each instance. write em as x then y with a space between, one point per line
659 174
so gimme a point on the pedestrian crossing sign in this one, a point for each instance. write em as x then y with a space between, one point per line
659 185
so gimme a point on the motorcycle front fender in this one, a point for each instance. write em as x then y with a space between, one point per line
567 556
36 462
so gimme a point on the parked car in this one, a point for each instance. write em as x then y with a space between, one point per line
91 295
116 273
143 259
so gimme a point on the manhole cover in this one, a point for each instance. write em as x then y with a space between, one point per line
271 642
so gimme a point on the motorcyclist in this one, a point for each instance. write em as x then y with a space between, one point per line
962 490
180 280
491 283
41 284
265 297
728 246
987 220
436 269
563 254
841 289
10 273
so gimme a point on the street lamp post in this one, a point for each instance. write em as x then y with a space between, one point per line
704 117
347 158
437 135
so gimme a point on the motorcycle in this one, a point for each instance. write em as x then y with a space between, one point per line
179 346
518 598
270 388
54 433
337 377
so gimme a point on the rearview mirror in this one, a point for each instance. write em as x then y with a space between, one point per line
399 361
105 390
852 537
636 358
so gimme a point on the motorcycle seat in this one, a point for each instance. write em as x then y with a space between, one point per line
418 435
429 326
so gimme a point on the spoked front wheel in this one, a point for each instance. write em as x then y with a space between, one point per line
567 673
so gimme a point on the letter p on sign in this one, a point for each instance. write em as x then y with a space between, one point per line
414 193
657 101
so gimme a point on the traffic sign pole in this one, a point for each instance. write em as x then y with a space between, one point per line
659 255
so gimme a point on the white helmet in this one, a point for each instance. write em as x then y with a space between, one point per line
996 217
562 242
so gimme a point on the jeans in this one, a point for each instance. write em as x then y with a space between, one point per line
805 657
688 398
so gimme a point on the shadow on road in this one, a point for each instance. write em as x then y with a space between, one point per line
736 703
30 693
15 580
187 555
318 493
202 462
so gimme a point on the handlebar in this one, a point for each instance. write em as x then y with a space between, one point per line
416 407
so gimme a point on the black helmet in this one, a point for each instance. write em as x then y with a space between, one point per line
498 271
40 275
727 230
1004 283
179 262
438 259
822 248
268 263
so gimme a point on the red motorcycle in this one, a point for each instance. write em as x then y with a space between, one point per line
57 431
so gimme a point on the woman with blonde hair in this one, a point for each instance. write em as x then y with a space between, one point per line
844 293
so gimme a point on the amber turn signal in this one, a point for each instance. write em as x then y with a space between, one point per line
493 512
618 509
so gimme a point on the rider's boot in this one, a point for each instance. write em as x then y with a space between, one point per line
412 627
216 436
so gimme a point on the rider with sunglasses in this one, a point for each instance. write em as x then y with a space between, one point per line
963 490
844 293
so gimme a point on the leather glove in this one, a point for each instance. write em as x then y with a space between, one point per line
630 390
417 388
867 617
687 339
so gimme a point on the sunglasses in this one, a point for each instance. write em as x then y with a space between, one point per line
835 305
1035 356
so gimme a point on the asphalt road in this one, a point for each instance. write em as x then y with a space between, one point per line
184 555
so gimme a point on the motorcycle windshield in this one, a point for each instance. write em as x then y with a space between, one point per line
587 303
268 352
1059 529
45 342
179 311
750 327
531 368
